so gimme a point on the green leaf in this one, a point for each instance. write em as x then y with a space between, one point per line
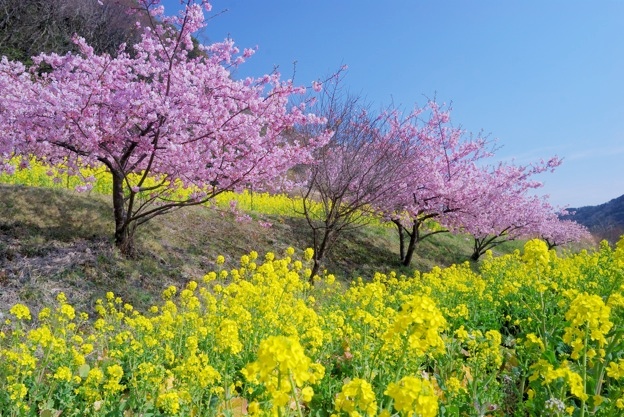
83 370
50 413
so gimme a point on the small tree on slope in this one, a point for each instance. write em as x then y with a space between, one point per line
502 207
437 177
556 231
360 167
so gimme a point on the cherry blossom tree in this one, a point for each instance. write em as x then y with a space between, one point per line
506 220
159 120
356 171
437 178
558 231
503 207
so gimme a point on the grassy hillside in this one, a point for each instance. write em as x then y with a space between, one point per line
54 240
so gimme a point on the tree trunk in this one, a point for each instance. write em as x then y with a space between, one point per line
319 252
414 237
483 245
315 269
406 255
401 239
123 233
477 249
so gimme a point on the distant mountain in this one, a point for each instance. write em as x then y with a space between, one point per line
605 221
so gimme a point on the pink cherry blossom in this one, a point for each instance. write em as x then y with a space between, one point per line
156 113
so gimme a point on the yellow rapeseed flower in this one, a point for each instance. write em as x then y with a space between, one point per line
616 370
412 394
63 373
355 395
21 312
281 359
420 323
227 337
169 402
587 314
536 253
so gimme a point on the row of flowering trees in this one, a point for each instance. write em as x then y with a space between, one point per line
426 176
161 115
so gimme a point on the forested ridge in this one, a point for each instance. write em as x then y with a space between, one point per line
30 27
604 221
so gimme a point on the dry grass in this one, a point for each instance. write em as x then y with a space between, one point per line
54 240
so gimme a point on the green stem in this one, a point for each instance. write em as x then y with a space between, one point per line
584 372
544 338
375 355
294 390
226 379
600 371
474 389
399 370
279 388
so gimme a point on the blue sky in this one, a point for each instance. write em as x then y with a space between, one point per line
543 78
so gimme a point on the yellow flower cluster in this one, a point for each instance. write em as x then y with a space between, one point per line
169 402
281 367
259 339
418 324
21 312
484 350
533 341
413 396
589 321
616 369
17 393
536 254
355 397
544 370
227 337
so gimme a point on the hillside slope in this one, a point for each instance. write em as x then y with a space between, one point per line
54 240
